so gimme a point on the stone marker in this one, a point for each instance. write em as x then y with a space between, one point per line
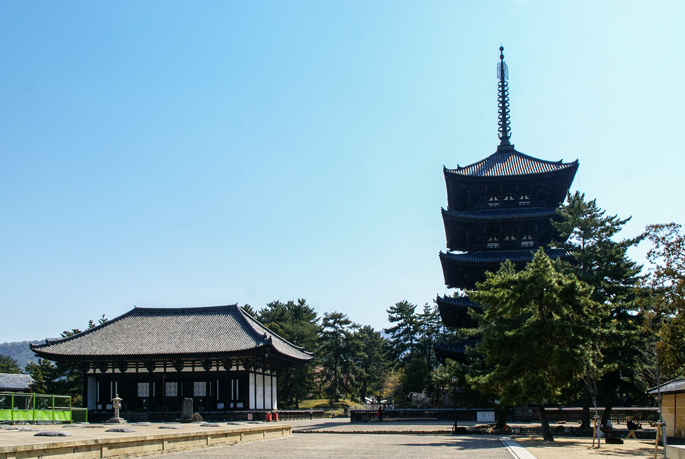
187 410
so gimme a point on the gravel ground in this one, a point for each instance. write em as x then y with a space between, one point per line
347 446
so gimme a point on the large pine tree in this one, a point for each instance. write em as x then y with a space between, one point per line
8 365
537 327
338 347
602 261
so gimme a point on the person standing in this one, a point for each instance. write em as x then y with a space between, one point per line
631 428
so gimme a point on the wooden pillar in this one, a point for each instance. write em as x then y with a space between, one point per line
85 387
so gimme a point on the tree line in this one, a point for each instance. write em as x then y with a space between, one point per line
354 361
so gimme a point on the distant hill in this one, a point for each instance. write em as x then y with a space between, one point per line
19 351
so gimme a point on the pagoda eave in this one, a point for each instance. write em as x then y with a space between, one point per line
455 311
464 270
556 182
461 228
454 351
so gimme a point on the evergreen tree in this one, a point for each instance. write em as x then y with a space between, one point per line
8 365
431 331
371 360
603 263
56 379
337 354
536 325
405 334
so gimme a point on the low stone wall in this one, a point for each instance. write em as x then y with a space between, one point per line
675 451
142 445
429 414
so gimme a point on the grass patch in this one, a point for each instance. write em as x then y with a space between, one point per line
325 404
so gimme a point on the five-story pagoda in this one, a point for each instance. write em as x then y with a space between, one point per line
500 208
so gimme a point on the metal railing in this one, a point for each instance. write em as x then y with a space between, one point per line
27 407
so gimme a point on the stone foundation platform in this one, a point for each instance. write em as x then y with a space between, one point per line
93 442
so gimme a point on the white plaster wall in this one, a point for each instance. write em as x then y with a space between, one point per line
251 401
267 392
260 392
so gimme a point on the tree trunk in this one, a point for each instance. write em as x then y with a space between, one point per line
546 433
607 410
585 417
502 418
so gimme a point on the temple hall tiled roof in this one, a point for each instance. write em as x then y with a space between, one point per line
15 382
173 331
500 256
509 162
502 213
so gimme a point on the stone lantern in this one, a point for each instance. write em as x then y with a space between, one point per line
116 404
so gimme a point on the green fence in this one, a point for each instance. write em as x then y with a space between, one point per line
23 407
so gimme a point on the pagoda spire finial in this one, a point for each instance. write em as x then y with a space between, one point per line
503 100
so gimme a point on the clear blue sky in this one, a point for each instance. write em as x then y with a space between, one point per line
167 154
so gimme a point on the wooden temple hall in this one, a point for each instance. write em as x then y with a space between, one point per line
221 357
500 208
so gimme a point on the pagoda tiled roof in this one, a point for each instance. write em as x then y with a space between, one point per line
502 213
509 162
141 332
499 256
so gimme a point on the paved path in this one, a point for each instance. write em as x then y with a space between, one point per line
372 446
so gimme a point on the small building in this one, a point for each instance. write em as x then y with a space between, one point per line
672 406
220 356
11 382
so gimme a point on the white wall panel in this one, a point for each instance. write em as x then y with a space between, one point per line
251 401
267 392
260 391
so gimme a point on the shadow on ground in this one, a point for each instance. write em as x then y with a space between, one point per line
634 448
464 442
